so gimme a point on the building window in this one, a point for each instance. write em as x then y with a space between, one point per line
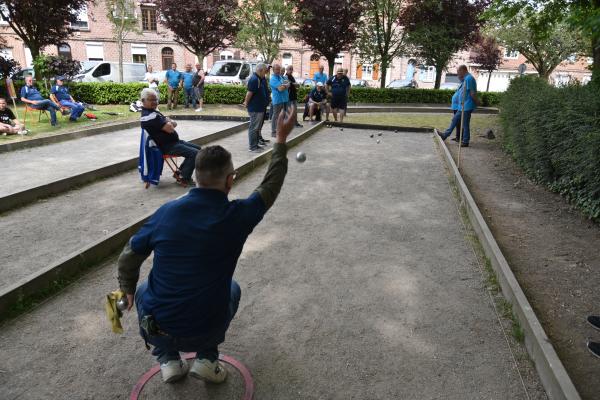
427 74
226 55
6 54
286 60
138 53
64 51
4 12
590 60
28 57
81 22
367 72
167 57
94 51
149 19
511 54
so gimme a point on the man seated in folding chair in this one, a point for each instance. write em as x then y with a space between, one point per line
33 99
64 98
162 131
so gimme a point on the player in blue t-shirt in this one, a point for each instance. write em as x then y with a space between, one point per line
320 76
339 87
173 79
188 86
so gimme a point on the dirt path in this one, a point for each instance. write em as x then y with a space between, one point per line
552 250
358 284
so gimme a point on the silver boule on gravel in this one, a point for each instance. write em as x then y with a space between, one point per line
122 303
300 157
378 141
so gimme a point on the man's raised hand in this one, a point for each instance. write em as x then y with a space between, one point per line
285 124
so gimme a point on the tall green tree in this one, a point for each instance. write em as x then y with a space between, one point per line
40 23
263 24
124 20
488 56
381 38
439 28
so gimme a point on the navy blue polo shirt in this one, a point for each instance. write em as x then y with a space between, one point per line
152 122
260 98
61 92
197 240
316 95
339 86
31 93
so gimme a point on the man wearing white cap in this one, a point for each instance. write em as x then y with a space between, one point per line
317 99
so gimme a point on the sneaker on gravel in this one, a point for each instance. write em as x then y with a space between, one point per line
173 370
208 371
198 109
256 150
594 320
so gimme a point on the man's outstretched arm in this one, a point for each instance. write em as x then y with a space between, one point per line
273 180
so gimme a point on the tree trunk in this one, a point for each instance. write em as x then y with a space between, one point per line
596 60
383 72
438 76
331 62
487 89
200 57
35 52
120 48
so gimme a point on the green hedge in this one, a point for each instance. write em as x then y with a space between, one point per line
125 93
554 135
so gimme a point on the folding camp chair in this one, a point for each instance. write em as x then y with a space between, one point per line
151 162
32 110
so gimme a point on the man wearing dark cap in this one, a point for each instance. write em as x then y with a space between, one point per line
66 100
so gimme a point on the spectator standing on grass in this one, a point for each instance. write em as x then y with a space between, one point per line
188 86
162 131
173 79
293 90
61 92
467 92
198 83
9 124
279 95
339 87
256 101
320 76
33 98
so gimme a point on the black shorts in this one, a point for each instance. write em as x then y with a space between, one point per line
339 103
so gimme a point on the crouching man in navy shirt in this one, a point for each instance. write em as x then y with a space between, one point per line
162 131
190 296
65 99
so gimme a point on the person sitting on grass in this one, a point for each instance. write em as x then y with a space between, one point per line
162 131
317 100
190 296
65 99
9 124
33 98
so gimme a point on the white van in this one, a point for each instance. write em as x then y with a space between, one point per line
231 72
109 72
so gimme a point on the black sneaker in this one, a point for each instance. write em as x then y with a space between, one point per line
464 145
439 134
186 182
299 126
264 140
594 320
594 348
256 150
455 139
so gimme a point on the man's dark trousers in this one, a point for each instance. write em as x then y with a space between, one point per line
167 348
188 151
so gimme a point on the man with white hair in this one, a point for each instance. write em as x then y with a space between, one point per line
256 101
162 131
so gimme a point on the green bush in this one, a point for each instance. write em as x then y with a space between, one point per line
554 135
125 93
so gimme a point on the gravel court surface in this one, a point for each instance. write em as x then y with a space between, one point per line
43 232
358 284
40 165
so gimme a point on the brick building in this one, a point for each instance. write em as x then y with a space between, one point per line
92 41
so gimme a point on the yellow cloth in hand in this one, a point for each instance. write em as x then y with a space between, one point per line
112 312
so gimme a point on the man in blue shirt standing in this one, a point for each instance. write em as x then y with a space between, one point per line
173 79
188 86
32 97
65 99
256 101
279 95
467 93
339 86
190 296
320 76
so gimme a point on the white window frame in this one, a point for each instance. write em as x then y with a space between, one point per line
82 16
225 55
5 10
590 60
339 59
427 73
285 61
7 53
96 45
28 57
511 54
367 72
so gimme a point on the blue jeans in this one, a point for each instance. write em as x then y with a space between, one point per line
190 97
466 136
76 108
256 119
167 347
49 106
276 109
188 151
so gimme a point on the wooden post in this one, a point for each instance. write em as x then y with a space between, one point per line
462 123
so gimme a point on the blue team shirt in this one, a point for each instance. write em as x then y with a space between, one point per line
456 98
188 78
320 77
173 78
469 84
31 93
339 86
197 240
260 98
61 92
277 96
316 95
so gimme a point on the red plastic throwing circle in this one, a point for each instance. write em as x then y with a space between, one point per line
248 382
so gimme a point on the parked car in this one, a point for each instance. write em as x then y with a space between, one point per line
231 72
307 82
109 72
451 82
358 83
21 74
402 84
